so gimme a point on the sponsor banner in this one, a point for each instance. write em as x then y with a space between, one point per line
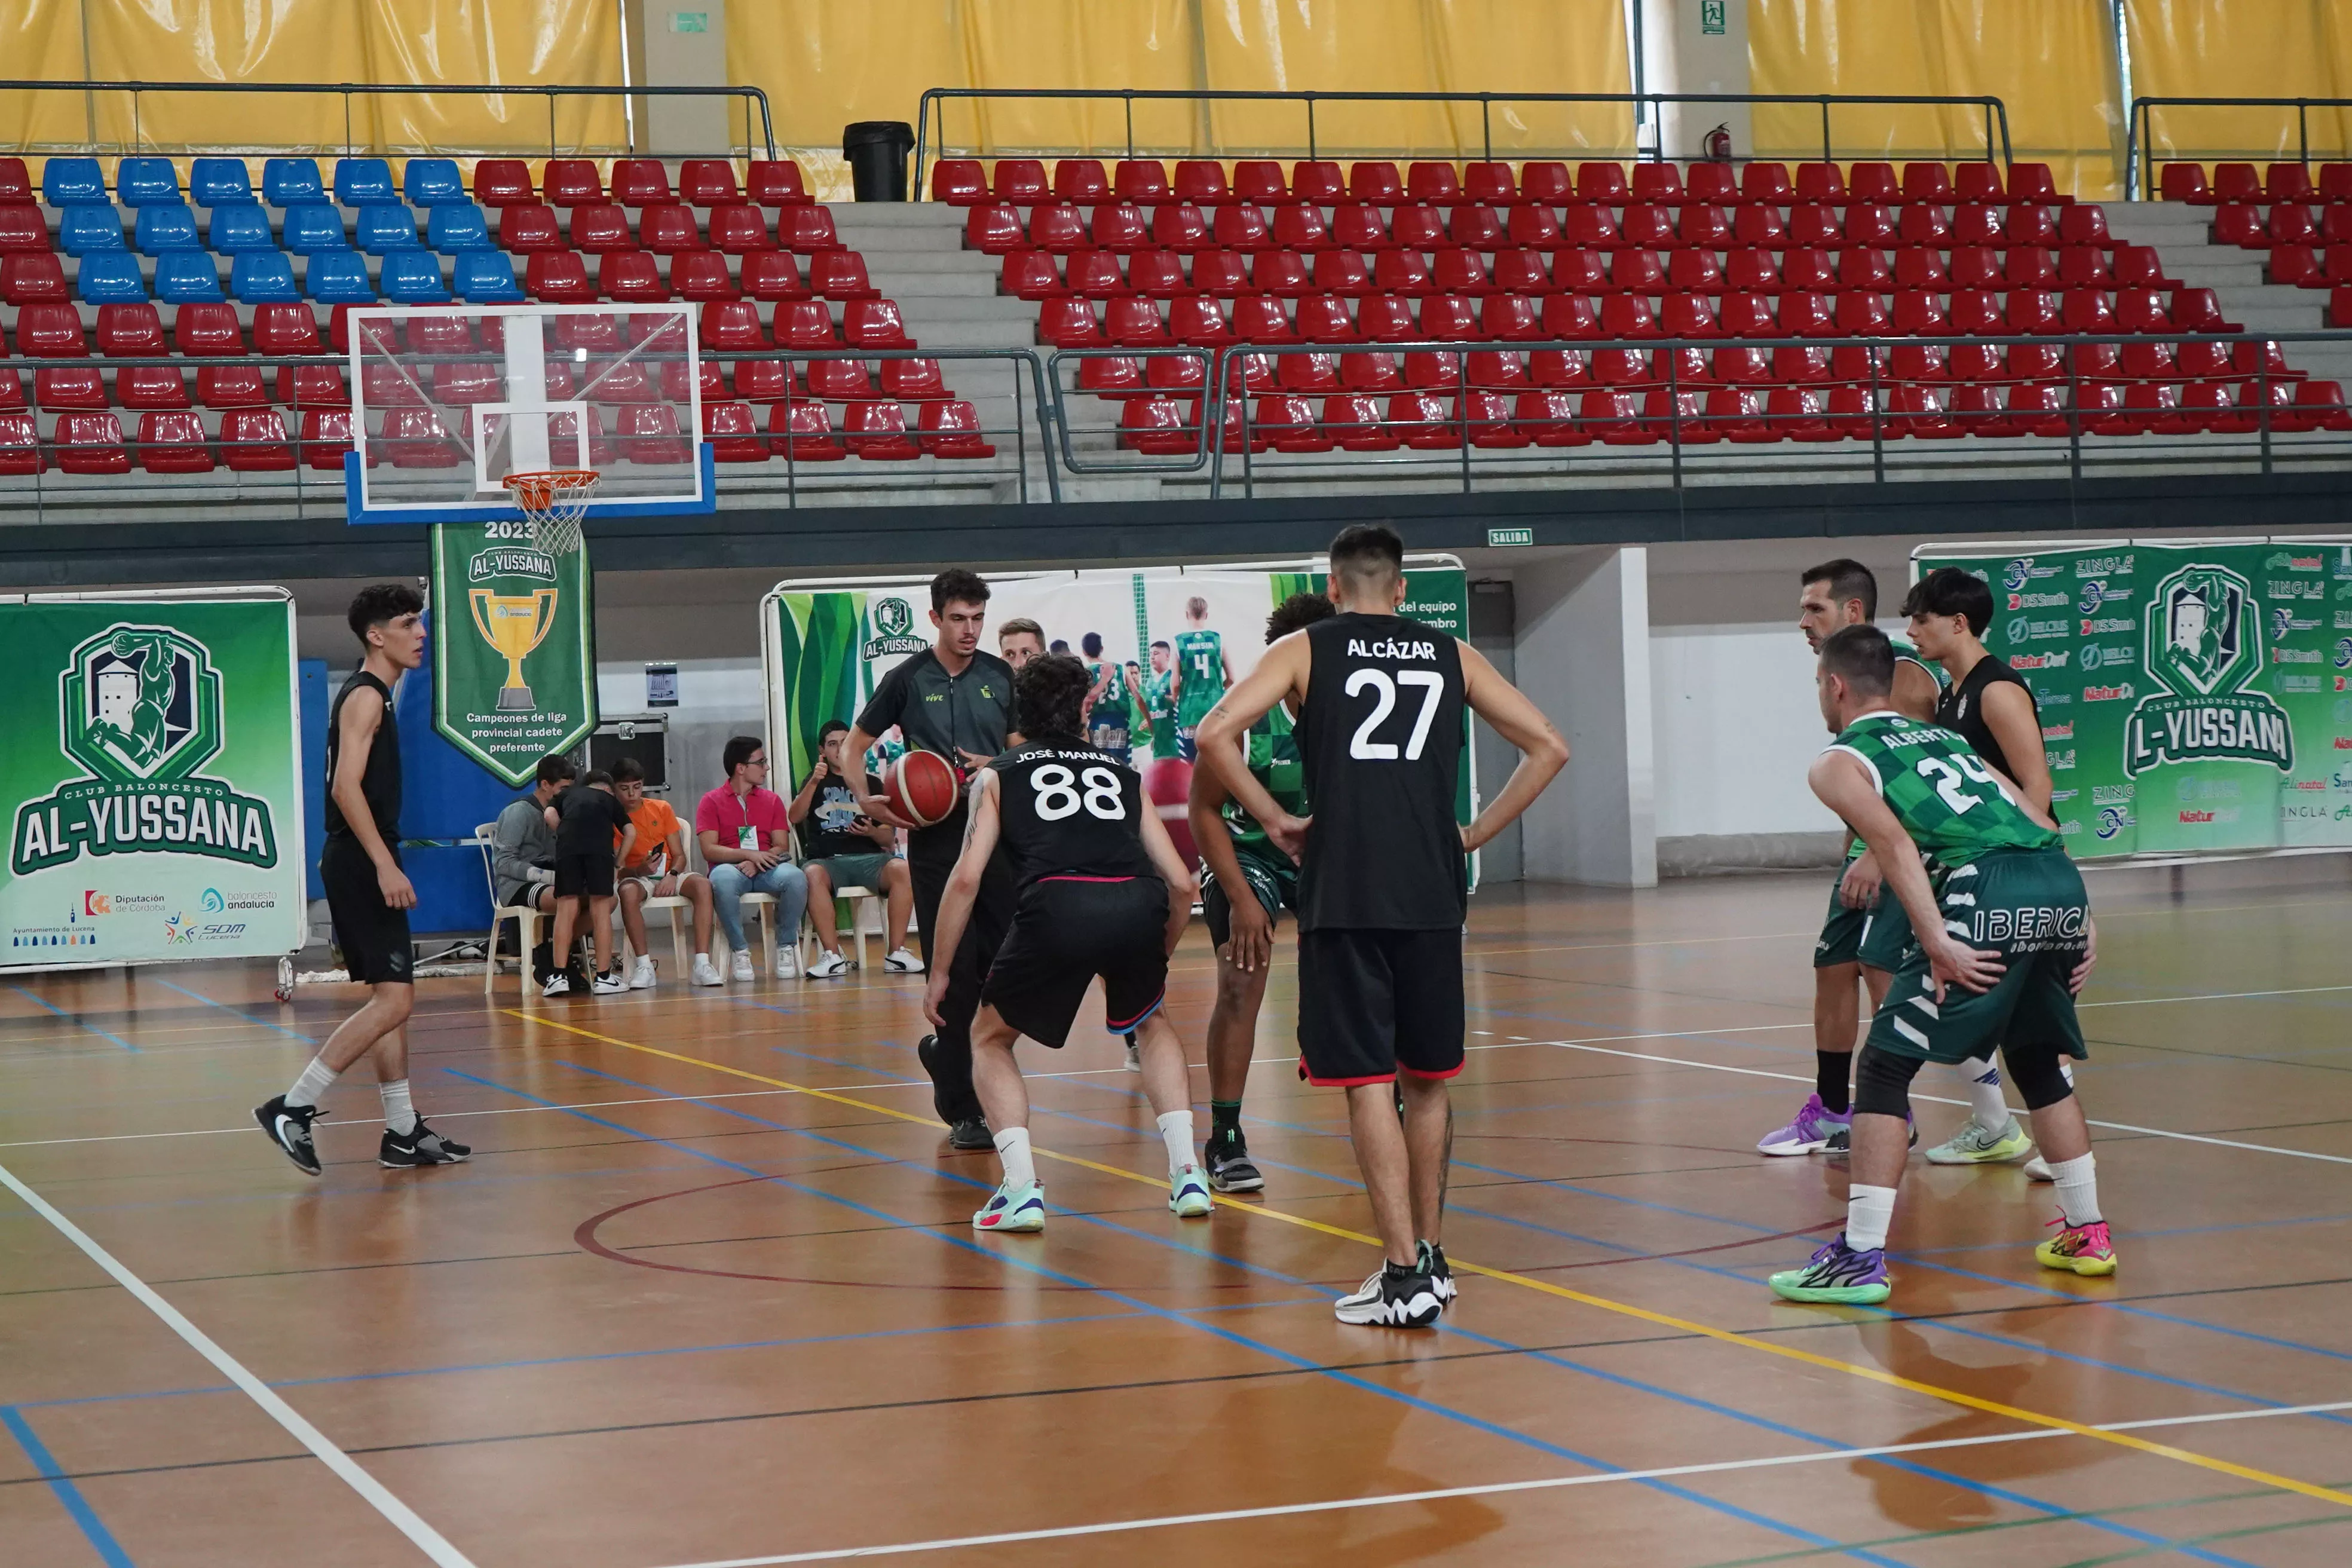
2196 701
152 784
514 647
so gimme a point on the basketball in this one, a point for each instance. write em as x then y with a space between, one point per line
1168 784
920 787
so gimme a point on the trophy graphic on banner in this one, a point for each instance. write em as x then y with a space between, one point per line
513 624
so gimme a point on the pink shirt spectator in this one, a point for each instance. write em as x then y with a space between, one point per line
760 813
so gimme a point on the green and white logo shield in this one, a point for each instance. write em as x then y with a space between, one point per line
2203 639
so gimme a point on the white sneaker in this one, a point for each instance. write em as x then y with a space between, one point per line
641 978
1134 1054
828 965
2038 1170
608 983
788 963
743 975
704 972
902 961
558 985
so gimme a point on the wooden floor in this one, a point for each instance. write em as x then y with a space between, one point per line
708 1292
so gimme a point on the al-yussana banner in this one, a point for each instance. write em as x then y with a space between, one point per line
514 647
151 779
2193 697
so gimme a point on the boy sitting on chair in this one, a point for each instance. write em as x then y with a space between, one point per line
847 848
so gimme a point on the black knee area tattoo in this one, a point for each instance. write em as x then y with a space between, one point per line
2035 1070
1882 1083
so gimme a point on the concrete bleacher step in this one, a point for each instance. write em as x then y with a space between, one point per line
2183 237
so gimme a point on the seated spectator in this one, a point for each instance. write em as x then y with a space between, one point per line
658 872
523 853
843 847
747 843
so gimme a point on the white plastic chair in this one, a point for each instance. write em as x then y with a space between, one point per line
526 916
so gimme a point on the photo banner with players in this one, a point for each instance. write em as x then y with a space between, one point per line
514 647
2193 696
152 785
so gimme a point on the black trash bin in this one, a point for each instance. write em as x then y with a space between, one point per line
876 151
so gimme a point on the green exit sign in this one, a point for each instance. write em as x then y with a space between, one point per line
1498 537
699 21
1710 17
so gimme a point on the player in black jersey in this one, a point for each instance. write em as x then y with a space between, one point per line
1989 706
1101 892
367 893
1382 880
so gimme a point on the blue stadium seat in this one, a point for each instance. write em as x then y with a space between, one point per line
359 180
240 227
263 276
162 228
285 181
187 278
219 182
413 277
339 277
432 182
111 278
69 181
457 226
485 276
146 181
88 227
386 227
314 227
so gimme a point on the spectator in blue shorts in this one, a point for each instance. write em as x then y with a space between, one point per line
843 847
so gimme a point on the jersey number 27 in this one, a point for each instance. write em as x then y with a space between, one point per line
1384 697
1061 792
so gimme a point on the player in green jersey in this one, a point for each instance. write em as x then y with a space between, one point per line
1202 671
2001 941
1105 708
1160 702
1245 880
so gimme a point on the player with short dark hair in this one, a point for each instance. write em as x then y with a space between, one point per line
368 894
1382 880
1107 711
587 817
1245 881
1103 893
2001 942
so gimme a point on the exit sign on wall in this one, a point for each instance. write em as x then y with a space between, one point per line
1501 536
1710 17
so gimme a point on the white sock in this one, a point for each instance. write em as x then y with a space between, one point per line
1985 1100
398 1113
2078 1189
1869 1213
1013 1148
1176 1131
316 1081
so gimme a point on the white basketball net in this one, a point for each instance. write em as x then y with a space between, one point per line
554 503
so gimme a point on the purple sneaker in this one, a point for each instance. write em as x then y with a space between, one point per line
1837 1274
1810 1131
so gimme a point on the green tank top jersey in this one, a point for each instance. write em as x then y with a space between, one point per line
1201 658
1274 761
1159 703
1945 797
1903 650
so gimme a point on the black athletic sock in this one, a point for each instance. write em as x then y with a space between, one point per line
1224 1121
1830 1070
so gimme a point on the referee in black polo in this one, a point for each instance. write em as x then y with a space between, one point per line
957 701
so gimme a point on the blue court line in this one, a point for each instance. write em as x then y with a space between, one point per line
40 1001
240 1013
101 1540
1301 1363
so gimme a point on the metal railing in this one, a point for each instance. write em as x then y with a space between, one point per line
752 97
1996 113
2140 160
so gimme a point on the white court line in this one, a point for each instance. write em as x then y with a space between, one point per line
402 1516
1493 1488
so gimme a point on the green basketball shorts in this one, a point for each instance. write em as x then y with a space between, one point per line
1270 876
1876 936
2028 906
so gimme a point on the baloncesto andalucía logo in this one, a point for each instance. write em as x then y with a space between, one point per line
2202 638
139 708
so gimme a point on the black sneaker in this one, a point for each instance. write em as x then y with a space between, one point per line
289 1127
1396 1298
971 1132
1431 1260
422 1147
1231 1170
943 1106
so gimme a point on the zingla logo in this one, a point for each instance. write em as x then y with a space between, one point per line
139 708
892 621
2203 640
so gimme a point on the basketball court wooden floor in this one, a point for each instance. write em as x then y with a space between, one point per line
707 1292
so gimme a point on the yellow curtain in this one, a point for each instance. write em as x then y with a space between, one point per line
2229 49
2051 63
226 41
41 40
506 42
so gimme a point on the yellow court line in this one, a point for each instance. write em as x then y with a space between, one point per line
1622 1309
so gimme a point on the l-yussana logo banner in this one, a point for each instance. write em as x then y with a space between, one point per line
2193 697
514 647
153 786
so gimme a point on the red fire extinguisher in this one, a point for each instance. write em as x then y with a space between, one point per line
1719 145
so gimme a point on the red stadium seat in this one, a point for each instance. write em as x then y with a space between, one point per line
1241 228
1300 227
959 182
772 276
1344 273
570 182
630 276
1093 273
640 182
1119 225
1020 182
1593 228
2184 182
1491 183
1765 185
1219 272
2084 265
1358 227
1056 227
1180 227
1714 184
1318 182
2028 267
1197 321
806 230
951 428
1821 182
1143 181
1928 184
1082 181
1032 275
1460 271
2240 225
801 432
1647 226
527 226
706 183
497 183
807 325
1287 424
774 182
840 274
1865 270
1689 271
1871 223
994 230
765 381
1259 181
1603 185
733 430
1874 182
1157 273
739 228
1476 228
876 432
1417 228
90 444
1917 266
874 324
1432 182
1815 224
1974 223
1323 319
1202 181
702 276
1258 320
253 441
1132 323
1402 273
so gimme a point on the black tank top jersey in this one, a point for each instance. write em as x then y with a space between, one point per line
1065 809
380 781
1380 738
1961 708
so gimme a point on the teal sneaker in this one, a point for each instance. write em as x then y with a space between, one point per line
1012 1208
1188 1194
1975 1145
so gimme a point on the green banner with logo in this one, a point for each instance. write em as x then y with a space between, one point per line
151 780
514 647
2194 697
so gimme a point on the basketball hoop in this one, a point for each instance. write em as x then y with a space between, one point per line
554 502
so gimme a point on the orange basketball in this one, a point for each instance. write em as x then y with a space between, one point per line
1168 782
920 787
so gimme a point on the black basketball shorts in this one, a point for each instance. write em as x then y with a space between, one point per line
1064 933
1374 1003
372 934
577 875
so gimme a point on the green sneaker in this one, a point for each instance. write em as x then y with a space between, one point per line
1836 1274
1975 1145
1188 1194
